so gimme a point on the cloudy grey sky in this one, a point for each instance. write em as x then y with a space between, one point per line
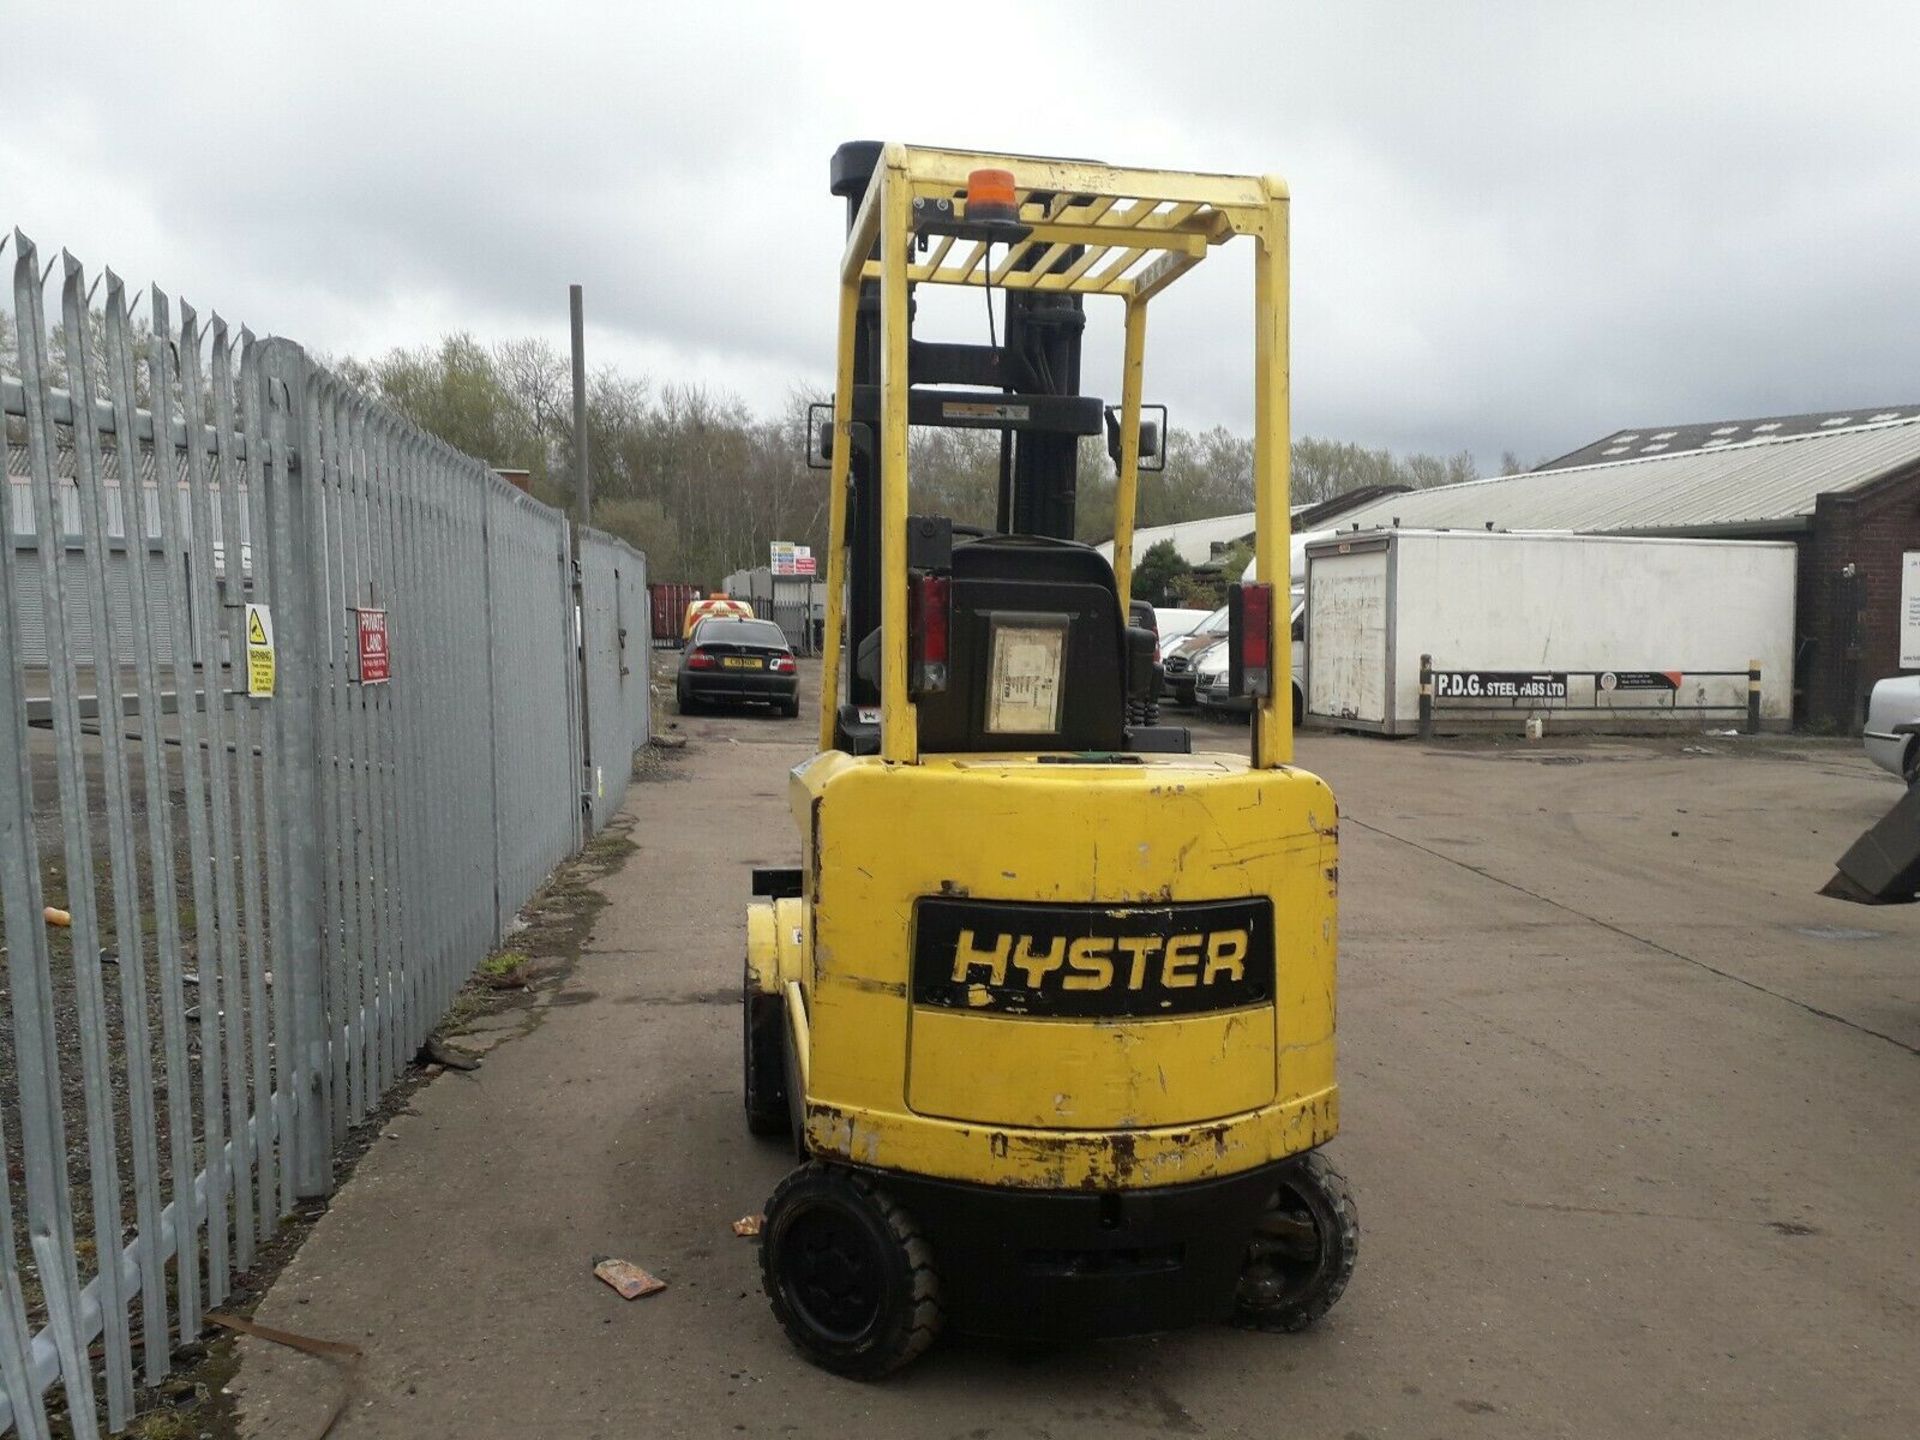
1515 226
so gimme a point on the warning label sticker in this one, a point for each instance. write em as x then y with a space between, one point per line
375 666
260 666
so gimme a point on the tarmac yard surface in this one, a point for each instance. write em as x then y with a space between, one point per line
1632 1116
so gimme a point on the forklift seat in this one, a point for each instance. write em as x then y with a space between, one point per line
1010 580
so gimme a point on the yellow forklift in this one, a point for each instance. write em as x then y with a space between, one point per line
1048 1006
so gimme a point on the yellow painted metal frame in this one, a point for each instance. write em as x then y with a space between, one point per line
1142 230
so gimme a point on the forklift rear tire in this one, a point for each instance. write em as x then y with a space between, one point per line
1303 1249
851 1278
763 1062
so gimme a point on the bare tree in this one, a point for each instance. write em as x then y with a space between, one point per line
540 379
699 481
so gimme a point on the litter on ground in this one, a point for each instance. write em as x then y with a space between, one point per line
628 1279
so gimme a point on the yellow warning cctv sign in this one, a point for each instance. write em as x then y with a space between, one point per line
260 665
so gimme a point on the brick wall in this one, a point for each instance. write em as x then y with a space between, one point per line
1849 624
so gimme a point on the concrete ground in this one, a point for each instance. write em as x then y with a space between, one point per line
1631 1115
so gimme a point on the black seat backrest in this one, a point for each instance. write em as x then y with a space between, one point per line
1023 580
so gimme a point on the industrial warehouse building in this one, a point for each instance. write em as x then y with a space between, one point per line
1843 486
30 555
1201 542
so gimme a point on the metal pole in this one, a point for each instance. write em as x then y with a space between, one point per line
290 511
1426 697
1272 452
582 478
583 516
1127 463
1753 697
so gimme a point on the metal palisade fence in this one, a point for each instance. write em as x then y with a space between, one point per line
300 706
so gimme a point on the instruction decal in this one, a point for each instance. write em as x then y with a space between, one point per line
260 658
1027 657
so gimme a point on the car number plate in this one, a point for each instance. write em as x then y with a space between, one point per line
742 662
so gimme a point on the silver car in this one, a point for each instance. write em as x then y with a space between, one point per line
1893 727
1210 682
1210 672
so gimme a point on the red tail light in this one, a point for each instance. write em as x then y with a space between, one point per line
929 624
699 660
781 665
1250 626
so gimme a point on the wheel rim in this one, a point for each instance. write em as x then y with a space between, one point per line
830 1273
1287 1255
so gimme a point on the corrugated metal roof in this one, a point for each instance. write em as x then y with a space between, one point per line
1760 484
1717 434
1194 539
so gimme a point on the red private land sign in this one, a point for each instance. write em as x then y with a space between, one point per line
372 626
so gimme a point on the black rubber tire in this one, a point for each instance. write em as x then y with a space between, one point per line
1289 1281
1299 706
1142 713
688 705
1912 767
763 1061
850 1276
790 708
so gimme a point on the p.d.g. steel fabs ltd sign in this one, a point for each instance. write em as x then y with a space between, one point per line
1499 685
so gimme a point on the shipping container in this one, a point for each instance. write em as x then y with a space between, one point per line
1577 631
669 603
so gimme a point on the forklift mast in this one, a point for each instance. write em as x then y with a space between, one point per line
1036 367
924 611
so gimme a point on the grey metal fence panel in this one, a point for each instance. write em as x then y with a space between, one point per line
274 890
615 647
796 603
527 611
636 651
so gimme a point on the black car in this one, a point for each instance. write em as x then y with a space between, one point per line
734 660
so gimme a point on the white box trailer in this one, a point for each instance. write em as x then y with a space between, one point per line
1587 631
